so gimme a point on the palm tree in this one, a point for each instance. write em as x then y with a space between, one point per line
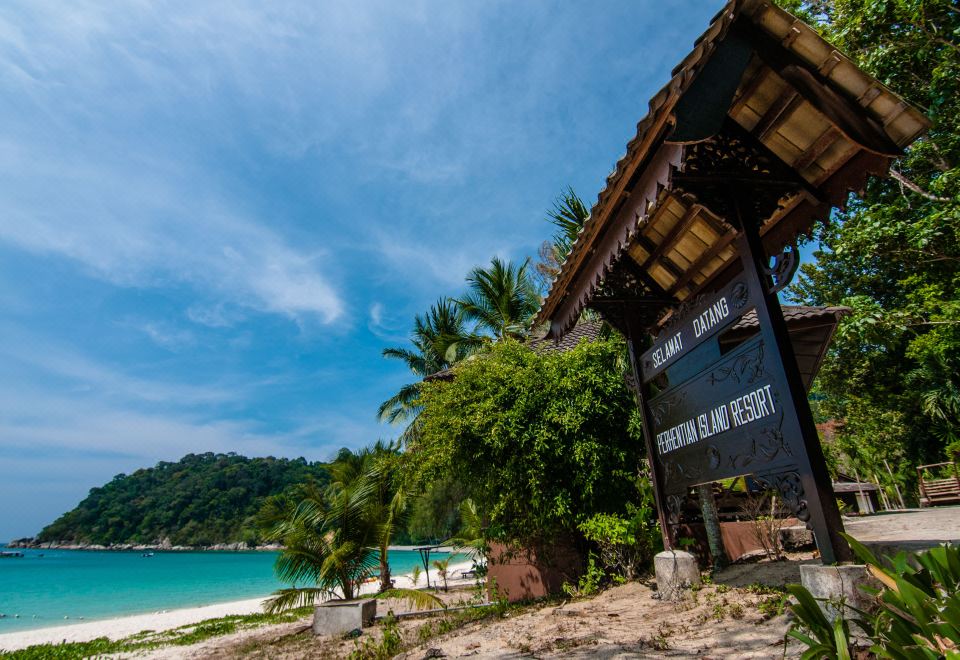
336 538
386 504
471 534
442 566
439 339
326 542
502 299
471 537
568 215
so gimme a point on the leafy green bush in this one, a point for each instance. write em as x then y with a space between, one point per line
590 582
389 645
540 441
916 613
627 542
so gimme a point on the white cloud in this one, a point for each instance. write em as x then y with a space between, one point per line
376 314
168 336
217 315
140 222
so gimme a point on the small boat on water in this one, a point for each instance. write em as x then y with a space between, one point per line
147 554
4 554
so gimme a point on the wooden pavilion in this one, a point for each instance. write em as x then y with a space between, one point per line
762 130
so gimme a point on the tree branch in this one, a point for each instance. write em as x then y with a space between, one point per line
910 185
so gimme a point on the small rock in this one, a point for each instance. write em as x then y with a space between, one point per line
434 653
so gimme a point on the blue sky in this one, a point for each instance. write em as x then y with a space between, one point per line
214 215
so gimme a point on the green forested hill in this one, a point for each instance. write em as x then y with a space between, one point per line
202 499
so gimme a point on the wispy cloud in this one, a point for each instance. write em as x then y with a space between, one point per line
35 359
168 336
140 223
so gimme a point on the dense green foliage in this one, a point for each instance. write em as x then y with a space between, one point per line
435 513
200 500
892 378
916 614
540 441
626 542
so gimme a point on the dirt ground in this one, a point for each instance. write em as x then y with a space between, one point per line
731 617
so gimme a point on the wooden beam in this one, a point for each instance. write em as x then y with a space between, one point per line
671 237
814 151
777 113
703 260
749 90
841 162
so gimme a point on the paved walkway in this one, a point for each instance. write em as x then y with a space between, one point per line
907 530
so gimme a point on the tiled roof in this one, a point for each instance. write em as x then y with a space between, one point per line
795 313
590 330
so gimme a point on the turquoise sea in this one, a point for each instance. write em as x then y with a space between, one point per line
56 587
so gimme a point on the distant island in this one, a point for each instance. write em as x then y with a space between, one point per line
201 501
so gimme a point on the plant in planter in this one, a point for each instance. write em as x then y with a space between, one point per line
336 538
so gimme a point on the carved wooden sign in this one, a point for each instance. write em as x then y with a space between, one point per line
723 422
692 324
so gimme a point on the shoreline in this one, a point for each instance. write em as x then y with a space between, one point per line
19 544
123 626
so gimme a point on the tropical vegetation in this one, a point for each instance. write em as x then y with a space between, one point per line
540 441
200 500
336 538
915 614
892 376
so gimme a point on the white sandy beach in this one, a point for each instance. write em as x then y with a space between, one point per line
120 627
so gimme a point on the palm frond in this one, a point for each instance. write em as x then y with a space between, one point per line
294 598
420 600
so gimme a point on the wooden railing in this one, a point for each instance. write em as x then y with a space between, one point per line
945 490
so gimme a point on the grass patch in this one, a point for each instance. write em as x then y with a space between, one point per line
148 640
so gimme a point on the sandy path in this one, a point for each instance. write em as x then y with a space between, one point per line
625 622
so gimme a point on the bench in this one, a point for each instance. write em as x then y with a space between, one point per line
945 490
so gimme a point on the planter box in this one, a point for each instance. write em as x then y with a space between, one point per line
338 617
519 574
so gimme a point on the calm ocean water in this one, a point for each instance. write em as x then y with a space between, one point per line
47 585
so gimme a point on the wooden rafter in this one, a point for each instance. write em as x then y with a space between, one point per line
816 149
673 235
778 112
709 255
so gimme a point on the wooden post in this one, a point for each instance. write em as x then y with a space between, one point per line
816 496
711 523
883 495
636 337
895 486
923 488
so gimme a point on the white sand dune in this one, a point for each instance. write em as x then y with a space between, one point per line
129 625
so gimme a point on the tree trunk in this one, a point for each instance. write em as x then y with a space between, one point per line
711 522
385 581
